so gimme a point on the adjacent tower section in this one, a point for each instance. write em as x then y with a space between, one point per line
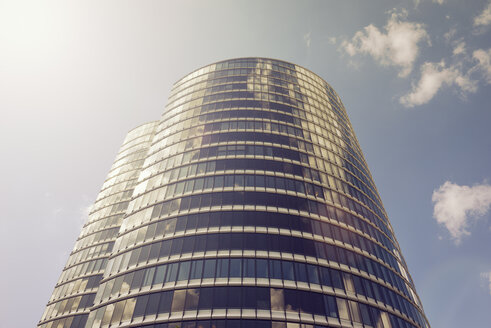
75 291
254 207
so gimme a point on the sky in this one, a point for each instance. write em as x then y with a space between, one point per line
414 76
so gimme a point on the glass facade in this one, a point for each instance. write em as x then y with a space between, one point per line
249 204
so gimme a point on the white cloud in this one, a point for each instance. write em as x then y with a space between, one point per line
434 76
396 46
455 206
450 34
459 49
487 277
440 2
484 18
483 58
307 38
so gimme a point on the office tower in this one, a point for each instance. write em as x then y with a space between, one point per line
74 293
249 204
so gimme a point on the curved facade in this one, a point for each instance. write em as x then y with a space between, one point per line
254 207
77 286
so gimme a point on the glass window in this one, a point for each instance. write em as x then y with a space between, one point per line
206 298
147 280
313 274
153 304
118 312
201 168
355 314
235 300
165 249
128 309
134 257
336 279
137 279
179 188
170 226
140 307
189 186
172 272
220 297
196 269
235 267
293 300
249 181
178 300
348 283
116 288
249 268
160 274
275 269
343 308
277 299
188 245
184 271
192 297
176 246
165 302
219 181
208 183
263 298
154 251
222 268
365 315
199 183
229 181
212 242
262 268
209 270
260 182
287 270
239 181
249 297
300 272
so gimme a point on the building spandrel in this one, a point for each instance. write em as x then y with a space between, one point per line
250 205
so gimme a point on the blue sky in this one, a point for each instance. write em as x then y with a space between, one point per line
414 76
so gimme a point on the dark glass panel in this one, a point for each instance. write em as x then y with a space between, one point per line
262 298
249 268
275 269
220 297
300 272
192 298
137 279
184 269
153 304
331 307
172 272
235 267
206 298
160 274
235 297
222 268
209 268
287 270
262 268
141 304
196 269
